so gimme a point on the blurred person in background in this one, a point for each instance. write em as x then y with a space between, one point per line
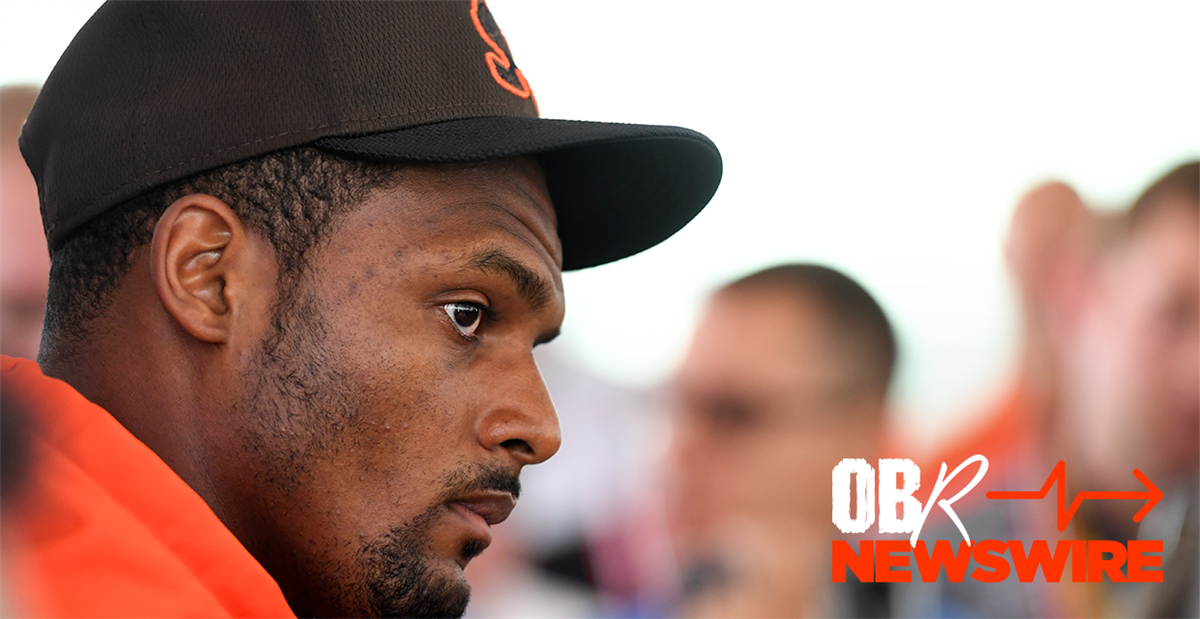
787 374
1052 245
1132 397
1051 251
24 272
24 258
1134 382
1109 381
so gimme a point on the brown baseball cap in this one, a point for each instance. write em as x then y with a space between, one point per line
153 92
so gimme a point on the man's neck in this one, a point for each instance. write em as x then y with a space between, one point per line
143 390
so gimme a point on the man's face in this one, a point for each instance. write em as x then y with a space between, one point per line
396 398
1135 390
763 417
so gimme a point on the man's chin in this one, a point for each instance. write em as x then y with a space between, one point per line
407 577
417 569
449 545
442 592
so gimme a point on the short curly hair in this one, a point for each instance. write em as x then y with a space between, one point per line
293 198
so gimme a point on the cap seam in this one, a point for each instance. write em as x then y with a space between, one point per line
334 61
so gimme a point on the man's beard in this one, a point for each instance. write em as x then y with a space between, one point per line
398 581
305 399
398 575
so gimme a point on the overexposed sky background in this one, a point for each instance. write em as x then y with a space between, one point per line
887 139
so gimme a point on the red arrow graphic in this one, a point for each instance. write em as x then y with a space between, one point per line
1059 475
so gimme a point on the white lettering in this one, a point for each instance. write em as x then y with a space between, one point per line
945 504
864 515
890 496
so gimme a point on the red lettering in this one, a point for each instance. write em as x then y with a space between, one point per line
984 558
1039 554
862 564
888 560
884 561
1138 561
1098 565
1079 561
942 556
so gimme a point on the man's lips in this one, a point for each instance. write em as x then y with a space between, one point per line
493 506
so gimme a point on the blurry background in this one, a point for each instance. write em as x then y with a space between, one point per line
889 140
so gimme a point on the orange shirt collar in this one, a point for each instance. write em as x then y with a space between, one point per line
112 530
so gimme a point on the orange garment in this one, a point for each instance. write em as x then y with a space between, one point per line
1005 431
1004 434
110 530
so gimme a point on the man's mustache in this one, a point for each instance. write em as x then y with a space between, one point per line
480 477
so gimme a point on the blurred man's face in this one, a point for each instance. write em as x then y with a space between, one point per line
763 417
392 408
24 260
1136 381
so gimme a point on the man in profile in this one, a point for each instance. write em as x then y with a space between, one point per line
301 254
787 374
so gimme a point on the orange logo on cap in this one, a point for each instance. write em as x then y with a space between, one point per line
499 59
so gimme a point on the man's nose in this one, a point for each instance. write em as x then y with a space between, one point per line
522 421
688 445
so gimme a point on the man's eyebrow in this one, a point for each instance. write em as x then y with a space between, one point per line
532 287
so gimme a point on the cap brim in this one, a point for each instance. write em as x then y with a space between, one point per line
617 189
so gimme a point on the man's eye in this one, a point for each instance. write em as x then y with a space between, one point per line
465 317
730 415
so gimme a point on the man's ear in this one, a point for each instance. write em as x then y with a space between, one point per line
201 259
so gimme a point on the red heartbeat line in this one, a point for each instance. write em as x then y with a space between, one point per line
1152 495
